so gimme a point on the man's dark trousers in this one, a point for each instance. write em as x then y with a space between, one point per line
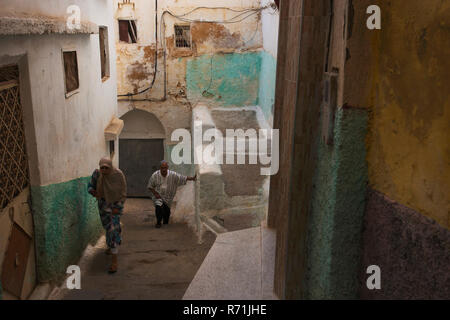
162 213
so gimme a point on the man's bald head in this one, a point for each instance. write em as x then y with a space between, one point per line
164 168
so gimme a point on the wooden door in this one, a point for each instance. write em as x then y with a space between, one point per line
16 225
138 159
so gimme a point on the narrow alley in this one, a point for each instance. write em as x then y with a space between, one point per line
155 264
299 150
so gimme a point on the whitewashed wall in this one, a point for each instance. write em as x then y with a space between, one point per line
69 132
270 21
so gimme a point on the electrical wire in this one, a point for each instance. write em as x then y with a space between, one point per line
245 12
231 20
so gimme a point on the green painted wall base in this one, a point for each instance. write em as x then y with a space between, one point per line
338 204
66 219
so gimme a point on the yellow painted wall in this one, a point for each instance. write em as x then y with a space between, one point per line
409 134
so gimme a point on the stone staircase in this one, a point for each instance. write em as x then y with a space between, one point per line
231 196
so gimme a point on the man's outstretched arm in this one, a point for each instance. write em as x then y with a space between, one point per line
192 178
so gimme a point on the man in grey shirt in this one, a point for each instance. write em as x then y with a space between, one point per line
163 185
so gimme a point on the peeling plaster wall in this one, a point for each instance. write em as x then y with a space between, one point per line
68 133
135 62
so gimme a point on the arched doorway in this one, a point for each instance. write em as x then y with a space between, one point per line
141 148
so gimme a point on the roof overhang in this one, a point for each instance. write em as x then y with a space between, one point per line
13 25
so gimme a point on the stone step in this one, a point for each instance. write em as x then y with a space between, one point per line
231 269
239 266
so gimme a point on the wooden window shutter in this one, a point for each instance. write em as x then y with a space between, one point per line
123 30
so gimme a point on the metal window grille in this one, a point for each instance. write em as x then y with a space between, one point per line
182 36
13 157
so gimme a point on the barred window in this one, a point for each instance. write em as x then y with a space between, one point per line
182 36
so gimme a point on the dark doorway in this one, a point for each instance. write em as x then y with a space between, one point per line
139 158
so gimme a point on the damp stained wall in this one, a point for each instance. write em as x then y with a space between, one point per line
399 75
407 93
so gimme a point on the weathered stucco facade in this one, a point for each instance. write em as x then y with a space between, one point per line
64 133
229 63
407 95
226 65
376 192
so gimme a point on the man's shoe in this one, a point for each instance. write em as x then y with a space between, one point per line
158 225
113 267
108 251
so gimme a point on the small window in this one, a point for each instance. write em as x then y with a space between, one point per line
104 52
71 71
182 36
127 31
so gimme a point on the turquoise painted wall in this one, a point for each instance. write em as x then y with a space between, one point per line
66 219
235 79
338 204
267 80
